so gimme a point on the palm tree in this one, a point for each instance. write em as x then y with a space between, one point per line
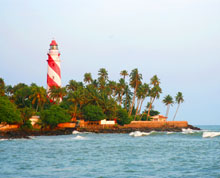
118 92
154 94
92 95
88 78
57 93
127 99
38 97
74 111
77 97
77 100
73 85
2 87
124 73
103 74
155 80
179 100
135 81
140 93
145 93
95 83
168 100
108 105
122 86
103 77
113 86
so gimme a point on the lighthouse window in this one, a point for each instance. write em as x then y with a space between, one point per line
53 77
53 47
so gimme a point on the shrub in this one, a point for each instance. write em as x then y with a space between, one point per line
122 117
93 113
26 114
145 118
8 111
26 125
53 116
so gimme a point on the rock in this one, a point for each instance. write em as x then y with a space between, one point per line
193 127
16 134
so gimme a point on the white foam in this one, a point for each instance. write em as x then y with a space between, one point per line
75 132
78 137
3 139
210 134
139 134
32 137
189 131
168 133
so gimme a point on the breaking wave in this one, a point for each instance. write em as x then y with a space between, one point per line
152 133
191 131
3 139
75 132
168 133
210 134
139 134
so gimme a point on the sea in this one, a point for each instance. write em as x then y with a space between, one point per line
82 155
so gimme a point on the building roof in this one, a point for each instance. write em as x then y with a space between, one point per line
53 43
159 116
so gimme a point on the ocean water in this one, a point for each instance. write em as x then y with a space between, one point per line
138 154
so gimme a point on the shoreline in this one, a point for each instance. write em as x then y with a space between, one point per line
27 134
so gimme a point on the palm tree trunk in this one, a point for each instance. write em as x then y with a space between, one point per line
168 108
176 111
138 103
121 99
37 107
125 104
133 100
139 111
151 103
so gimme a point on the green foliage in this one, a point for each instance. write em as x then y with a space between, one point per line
168 100
2 87
122 117
53 116
26 125
8 111
26 114
179 98
138 118
21 96
154 112
56 93
87 77
98 99
93 113
145 118
38 96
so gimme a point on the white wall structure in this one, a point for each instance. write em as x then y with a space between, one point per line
105 122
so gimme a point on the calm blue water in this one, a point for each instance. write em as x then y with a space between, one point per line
113 155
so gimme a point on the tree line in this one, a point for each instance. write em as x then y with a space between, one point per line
91 99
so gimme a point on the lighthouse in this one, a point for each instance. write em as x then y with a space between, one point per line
53 71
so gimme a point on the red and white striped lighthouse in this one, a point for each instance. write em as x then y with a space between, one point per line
53 72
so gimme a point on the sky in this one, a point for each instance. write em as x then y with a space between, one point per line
177 40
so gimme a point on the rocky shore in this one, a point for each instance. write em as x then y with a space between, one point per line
26 134
129 130
16 134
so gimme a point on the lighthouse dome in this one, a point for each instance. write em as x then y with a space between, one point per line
53 43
